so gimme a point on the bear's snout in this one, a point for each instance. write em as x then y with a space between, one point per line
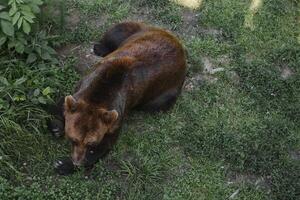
78 155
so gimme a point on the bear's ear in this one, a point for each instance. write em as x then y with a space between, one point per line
118 67
107 116
70 103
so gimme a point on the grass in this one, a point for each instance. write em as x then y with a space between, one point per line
235 136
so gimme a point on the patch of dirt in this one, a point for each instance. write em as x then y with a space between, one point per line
140 16
73 19
258 181
211 31
112 164
224 60
209 72
193 82
295 155
211 69
83 53
209 66
286 72
66 50
234 77
99 22
190 25
190 17
249 58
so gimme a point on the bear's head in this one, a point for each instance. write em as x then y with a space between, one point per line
85 126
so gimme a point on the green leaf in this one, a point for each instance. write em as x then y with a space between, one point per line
10 2
35 8
37 2
20 81
2 7
7 28
42 100
25 8
50 50
16 18
3 103
2 40
20 22
46 91
38 50
31 58
20 37
14 7
36 92
45 55
5 15
54 60
19 47
4 81
12 11
26 27
28 14
29 19
19 98
11 44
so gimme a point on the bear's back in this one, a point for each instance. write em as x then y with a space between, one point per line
160 65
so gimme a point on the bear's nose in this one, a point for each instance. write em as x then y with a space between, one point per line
77 161
78 158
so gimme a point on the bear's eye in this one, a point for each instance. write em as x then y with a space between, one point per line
74 142
92 144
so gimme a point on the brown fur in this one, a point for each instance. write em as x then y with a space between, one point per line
144 67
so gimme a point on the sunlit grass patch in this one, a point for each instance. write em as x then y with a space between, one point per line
253 9
193 4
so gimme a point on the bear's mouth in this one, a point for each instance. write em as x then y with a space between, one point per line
78 163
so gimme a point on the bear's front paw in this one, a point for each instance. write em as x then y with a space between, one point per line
56 127
64 166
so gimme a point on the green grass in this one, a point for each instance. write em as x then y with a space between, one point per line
247 126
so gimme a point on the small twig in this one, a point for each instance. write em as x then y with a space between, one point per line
234 194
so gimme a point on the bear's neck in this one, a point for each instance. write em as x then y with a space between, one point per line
114 99
101 94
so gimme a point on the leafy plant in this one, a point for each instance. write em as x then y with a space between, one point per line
14 90
17 18
39 49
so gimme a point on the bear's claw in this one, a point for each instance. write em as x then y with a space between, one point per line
56 127
64 166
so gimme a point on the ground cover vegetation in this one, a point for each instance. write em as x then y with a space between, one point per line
233 134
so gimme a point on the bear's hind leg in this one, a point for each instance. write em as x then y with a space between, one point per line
113 38
163 102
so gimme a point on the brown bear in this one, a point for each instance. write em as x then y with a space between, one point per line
144 68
